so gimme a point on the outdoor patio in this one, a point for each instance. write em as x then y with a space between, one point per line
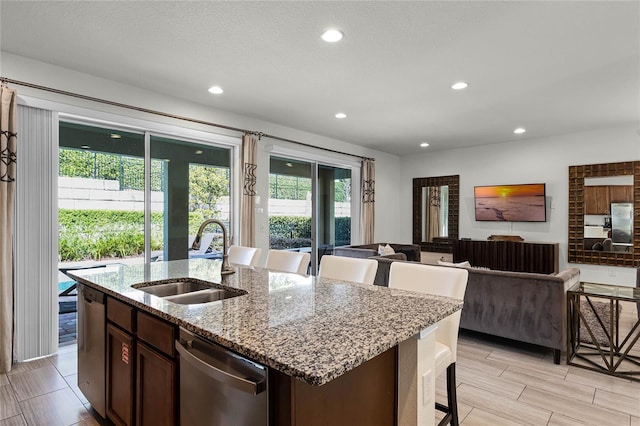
67 329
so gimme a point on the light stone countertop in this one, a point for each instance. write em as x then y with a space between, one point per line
306 327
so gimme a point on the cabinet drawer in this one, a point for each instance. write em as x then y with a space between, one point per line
157 333
121 314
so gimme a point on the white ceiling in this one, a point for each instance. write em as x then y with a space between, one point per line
554 67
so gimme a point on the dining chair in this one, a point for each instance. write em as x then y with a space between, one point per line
247 256
441 281
348 268
288 261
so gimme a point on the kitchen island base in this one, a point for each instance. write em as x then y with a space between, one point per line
336 352
363 396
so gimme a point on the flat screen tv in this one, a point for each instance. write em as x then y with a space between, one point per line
511 203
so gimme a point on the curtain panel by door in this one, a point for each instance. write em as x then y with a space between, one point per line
247 211
8 142
368 200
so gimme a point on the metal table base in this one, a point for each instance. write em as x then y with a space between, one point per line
614 359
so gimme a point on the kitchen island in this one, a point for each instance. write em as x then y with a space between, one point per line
313 332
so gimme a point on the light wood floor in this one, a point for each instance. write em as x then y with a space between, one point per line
503 383
499 383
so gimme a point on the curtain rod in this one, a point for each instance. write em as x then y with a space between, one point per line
5 80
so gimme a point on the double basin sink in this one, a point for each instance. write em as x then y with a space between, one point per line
188 291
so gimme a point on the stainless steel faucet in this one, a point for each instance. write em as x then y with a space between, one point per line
226 269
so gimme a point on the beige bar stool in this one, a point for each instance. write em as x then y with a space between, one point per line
441 281
247 256
348 269
288 261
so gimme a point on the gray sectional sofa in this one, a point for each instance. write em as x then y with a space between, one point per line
522 306
411 251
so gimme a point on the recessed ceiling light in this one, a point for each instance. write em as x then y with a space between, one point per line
198 152
424 145
519 130
288 164
332 35
216 90
459 85
341 115
85 147
115 136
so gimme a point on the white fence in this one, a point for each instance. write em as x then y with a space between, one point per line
99 194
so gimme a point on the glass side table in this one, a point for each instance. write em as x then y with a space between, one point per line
597 344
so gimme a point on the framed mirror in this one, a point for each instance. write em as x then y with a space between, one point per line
604 214
435 212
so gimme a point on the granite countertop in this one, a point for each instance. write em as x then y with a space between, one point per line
310 328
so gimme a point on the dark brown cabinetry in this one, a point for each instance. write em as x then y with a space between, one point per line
621 193
508 255
598 198
156 379
120 374
141 367
365 395
155 388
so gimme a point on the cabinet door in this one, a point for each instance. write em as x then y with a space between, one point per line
596 200
120 375
621 193
604 200
155 388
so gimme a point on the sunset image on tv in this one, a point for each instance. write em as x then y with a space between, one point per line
511 203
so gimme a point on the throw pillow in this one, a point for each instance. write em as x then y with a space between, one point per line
464 264
384 250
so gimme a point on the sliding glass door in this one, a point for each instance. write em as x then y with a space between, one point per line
128 196
309 207
100 195
195 185
106 189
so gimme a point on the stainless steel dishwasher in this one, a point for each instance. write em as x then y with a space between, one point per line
219 387
91 347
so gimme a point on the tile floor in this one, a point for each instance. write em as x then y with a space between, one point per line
44 392
499 383
503 383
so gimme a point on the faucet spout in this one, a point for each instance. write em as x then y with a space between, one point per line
226 269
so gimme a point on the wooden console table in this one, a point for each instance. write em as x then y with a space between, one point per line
509 255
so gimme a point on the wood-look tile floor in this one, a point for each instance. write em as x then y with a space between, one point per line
44 392
499 383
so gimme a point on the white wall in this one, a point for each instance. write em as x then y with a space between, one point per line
531 160
527 161
24 69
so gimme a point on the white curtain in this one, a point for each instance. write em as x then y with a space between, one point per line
368 200
247 211
8 142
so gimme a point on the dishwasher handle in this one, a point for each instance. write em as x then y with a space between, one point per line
244 384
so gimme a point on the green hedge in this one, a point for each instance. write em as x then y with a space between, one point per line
289 231
98 234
